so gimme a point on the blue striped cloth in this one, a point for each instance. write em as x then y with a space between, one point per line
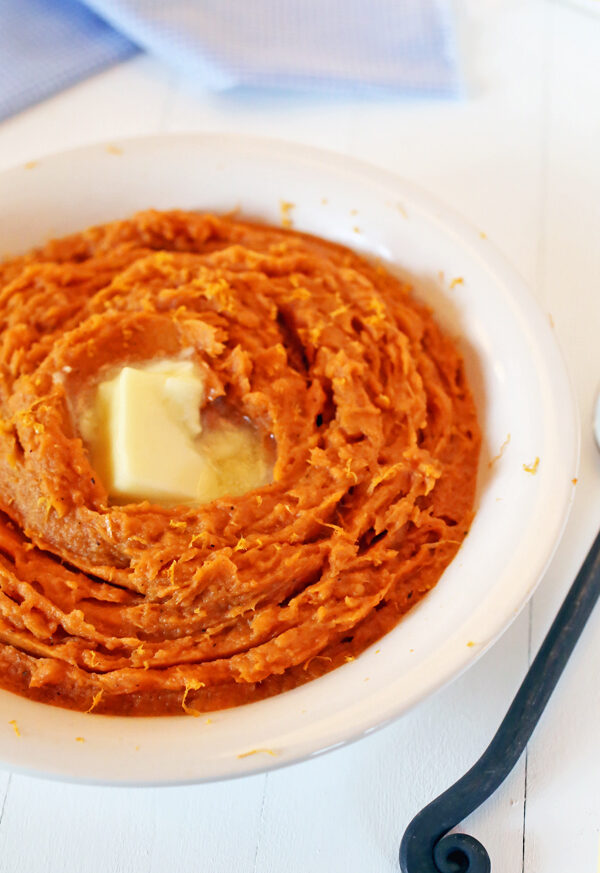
47 45
343 46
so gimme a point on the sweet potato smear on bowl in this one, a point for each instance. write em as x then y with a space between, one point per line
148 608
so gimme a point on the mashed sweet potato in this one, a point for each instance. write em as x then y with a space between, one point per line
141 609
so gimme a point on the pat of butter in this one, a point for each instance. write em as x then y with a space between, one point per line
147 421
146 440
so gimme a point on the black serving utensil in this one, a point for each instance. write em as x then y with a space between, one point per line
426 846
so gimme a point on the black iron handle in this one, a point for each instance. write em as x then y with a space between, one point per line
426 846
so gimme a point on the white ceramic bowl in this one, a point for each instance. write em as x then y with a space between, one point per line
521 389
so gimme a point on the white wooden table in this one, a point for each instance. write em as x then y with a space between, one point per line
520 157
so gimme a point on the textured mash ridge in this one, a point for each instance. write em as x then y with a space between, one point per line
146 610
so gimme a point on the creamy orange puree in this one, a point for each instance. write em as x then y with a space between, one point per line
142 609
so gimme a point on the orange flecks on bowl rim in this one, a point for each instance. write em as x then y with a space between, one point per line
497 457
285 209
271 752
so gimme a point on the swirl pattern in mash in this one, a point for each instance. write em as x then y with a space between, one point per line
143 609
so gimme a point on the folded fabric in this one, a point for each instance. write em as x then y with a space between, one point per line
400 45
47 45
362 46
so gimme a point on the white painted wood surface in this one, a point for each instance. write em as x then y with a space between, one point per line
520 157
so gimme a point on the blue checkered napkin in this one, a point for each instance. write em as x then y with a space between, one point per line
47 45
401 46
358 46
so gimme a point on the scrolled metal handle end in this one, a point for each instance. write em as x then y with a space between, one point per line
452 853
460 853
